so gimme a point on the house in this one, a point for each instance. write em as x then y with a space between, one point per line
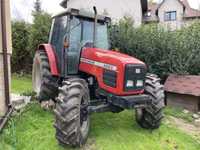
171 13
5 45
116 9
183 91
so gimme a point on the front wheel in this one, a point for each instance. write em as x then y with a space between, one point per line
72 120
44 84
150 117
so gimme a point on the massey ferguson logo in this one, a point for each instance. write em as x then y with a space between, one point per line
99 64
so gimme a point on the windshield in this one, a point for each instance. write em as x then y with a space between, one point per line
87 30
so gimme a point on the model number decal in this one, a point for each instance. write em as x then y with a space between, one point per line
99 64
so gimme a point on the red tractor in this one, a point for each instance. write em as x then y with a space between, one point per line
78 72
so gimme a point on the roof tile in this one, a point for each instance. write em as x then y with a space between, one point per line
183 84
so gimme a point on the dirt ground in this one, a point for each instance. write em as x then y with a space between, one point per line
189 128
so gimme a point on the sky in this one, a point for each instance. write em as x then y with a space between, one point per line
22 9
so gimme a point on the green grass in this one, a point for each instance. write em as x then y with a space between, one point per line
21 84
33 130
178 113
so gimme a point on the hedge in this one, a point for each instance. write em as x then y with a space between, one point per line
164 51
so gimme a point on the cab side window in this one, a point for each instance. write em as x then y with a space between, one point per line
75 34
59 31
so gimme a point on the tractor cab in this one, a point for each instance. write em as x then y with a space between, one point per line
71 31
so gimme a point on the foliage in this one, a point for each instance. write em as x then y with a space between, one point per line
21 54
21 84
162 50
39 30
27 37
37 6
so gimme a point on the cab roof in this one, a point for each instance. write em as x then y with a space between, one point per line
82 13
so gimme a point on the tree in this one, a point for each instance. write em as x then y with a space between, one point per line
39 30
21 55
37 6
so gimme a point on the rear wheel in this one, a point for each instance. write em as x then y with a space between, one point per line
72 120
150 117
44 84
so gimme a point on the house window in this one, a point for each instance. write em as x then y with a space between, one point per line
170 16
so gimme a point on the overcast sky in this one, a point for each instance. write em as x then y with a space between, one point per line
21 9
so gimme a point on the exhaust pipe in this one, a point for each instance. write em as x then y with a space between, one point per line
95 27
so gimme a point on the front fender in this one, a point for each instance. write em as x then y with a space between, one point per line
48 48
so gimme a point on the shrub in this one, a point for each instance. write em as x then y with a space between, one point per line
20 38
162 50
26 38
39 30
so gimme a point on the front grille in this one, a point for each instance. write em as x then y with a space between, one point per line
110 78
130 74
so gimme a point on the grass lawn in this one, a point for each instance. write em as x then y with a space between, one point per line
33 130
21 84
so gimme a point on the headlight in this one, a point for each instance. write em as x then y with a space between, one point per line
129 83
139 83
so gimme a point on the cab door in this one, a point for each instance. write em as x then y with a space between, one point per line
58 31
74 49
66 28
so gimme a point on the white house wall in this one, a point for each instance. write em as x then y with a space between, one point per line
171 5
116 9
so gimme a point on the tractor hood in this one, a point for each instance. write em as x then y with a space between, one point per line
108 57
110 67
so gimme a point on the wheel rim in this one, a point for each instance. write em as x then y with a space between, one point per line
139 113
37 79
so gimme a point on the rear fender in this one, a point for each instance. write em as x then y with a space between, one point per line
48 48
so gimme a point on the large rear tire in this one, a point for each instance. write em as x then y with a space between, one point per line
44 84
72 120
150 117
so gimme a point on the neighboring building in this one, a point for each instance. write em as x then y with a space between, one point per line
183 91
6 14
116 9
172 13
